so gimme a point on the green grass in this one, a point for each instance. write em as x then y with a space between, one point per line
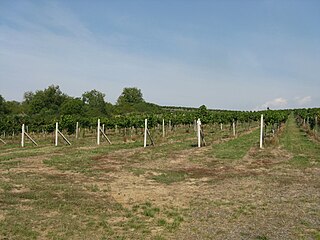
169 177
235 148
305 151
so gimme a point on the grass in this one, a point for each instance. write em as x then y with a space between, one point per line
71 192
306 152
235 148
170 177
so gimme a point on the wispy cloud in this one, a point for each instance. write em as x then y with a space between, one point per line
277 103
302 101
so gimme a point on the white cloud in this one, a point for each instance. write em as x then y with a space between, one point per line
301 101
276 103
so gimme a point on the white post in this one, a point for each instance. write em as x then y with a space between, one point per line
145 132
169 125
56 137
163 131
98 132
220 126
103 128
234 128
261 131
22 136
77 130
199 132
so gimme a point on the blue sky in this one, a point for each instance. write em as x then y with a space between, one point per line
244 55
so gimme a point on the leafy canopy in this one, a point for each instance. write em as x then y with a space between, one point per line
130 96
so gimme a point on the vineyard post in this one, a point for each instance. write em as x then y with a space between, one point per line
102 127
199 132
163 131
77 130
22 135
98 132
56 136
233 128
221 126
145 132
261 131
316 123
27 129
169 125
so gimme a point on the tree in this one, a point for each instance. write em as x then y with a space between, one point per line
130 96
14 107
46 101
3 108
94 101
73 106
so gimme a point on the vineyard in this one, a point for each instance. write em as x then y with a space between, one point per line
229 188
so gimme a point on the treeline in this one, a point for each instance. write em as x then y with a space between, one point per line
40 110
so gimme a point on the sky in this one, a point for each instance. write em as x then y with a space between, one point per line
232 54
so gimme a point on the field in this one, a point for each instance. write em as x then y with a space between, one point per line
229 189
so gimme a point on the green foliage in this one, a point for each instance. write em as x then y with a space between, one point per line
130 96
3 109
46 101
73 106
40 111
94 102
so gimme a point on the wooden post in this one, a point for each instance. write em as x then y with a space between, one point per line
102 127
98 132
77 130
22 135
234 128
220 126
56 136
199 132
145 132
261 132
163 130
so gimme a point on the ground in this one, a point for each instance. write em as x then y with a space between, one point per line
229 189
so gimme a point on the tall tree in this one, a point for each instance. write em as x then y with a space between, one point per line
130 96
46 101
3 108
72 106
94 101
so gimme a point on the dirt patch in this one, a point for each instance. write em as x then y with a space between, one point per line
129 189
